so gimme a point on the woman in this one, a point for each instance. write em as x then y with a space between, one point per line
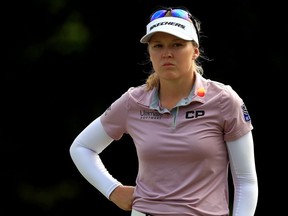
187 130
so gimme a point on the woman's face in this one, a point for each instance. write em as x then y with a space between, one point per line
172 57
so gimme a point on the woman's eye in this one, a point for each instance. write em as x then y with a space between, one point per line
177 45
157 46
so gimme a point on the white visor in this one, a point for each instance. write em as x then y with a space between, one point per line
176 26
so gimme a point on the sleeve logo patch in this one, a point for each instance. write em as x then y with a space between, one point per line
245 113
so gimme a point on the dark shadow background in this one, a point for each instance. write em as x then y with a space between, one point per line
66 61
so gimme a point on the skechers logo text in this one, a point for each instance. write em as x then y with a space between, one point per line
168 23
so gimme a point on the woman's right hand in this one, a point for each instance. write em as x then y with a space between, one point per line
122 196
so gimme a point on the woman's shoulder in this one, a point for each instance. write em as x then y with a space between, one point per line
219 86
140 94
138 90
223 90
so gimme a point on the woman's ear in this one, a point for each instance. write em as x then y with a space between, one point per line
196 53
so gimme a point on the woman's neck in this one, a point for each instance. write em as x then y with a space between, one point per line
171 92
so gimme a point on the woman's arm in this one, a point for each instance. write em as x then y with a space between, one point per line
85 151
243 170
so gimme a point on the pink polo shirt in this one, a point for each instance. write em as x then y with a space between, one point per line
183 160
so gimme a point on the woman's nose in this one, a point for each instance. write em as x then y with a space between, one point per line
167 53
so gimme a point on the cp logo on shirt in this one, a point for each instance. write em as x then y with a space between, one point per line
194 114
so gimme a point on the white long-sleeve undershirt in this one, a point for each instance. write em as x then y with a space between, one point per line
85 151
243 170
